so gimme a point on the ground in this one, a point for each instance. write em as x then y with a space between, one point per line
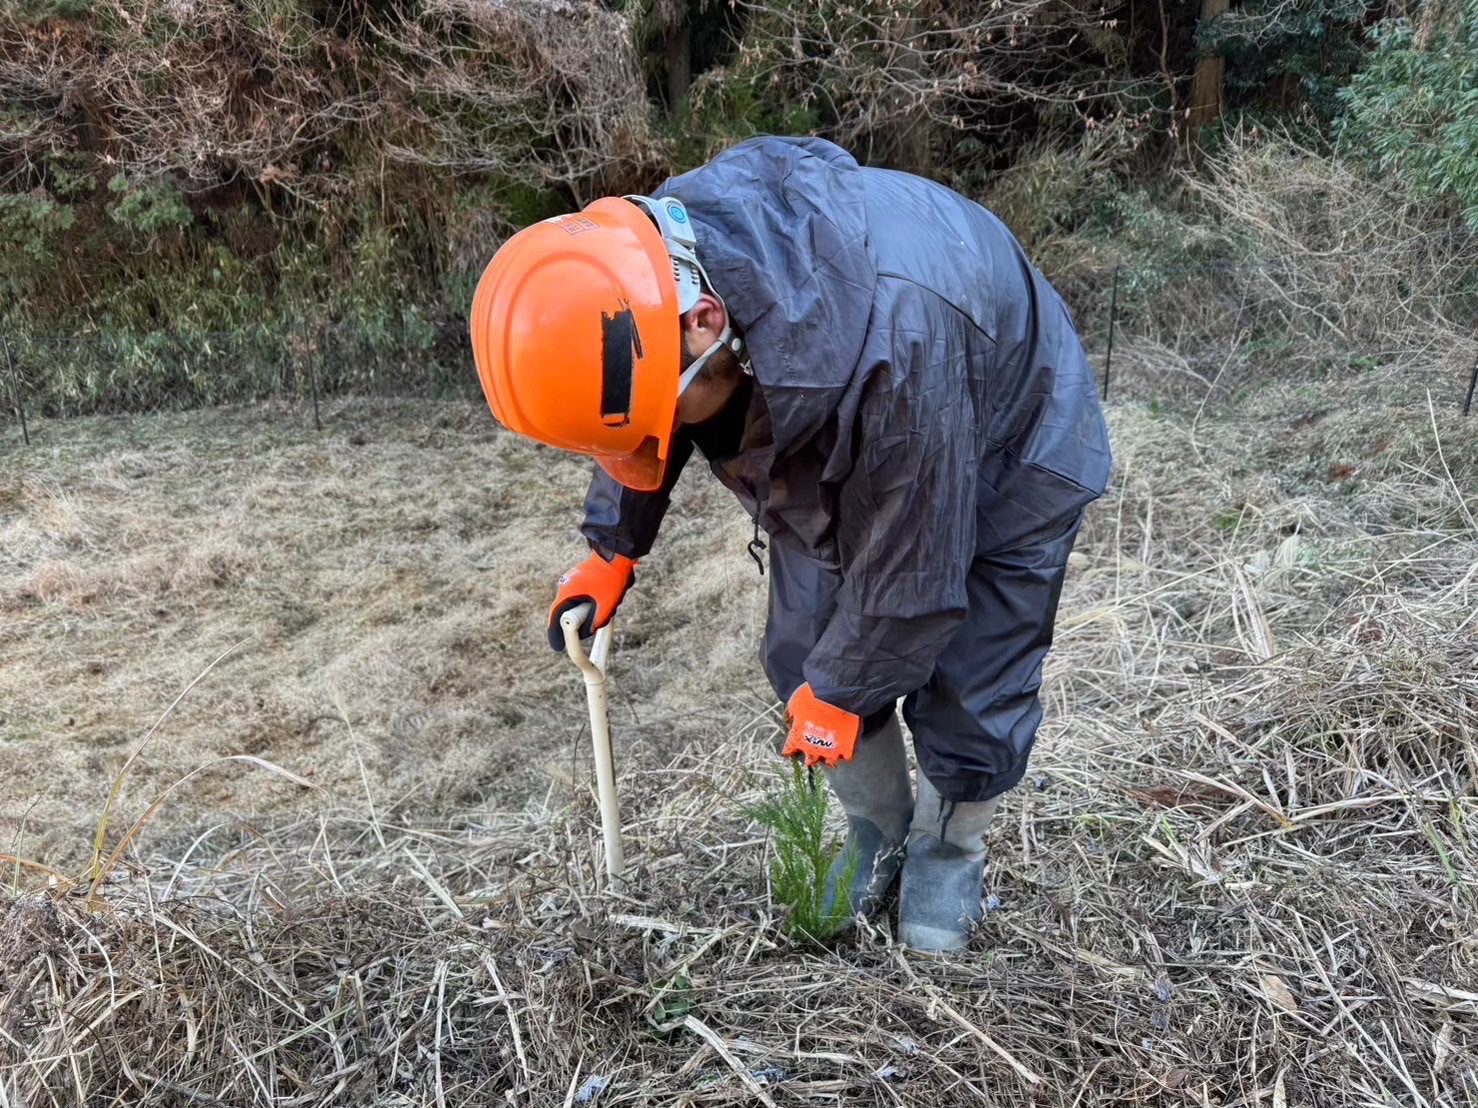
379 588
1240 870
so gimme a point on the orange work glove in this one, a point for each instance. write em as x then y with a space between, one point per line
818 730
596 582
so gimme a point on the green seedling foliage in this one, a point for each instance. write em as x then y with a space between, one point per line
795 811
1229 521
673 1003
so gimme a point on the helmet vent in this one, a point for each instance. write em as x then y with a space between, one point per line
689 280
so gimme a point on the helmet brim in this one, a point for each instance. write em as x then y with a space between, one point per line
643 471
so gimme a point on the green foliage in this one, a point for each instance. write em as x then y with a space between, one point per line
30 224
1230 520
673 1002
1085 189
236 166
70 175
729 105
41 11
1284 53
148 206
795 812
1050 191
1413 109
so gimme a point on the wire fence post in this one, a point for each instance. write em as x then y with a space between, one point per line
15 391
308 348
1108 357
1472 386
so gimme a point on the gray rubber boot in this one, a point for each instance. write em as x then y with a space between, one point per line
944 874
874 791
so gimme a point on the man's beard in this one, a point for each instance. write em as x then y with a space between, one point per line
721 365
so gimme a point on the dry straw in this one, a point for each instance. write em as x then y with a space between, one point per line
1242 871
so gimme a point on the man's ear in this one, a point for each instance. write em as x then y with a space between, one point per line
707 315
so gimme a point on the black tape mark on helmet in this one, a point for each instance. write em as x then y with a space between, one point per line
620 346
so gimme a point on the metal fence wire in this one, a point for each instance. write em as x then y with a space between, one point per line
1210 325
62 376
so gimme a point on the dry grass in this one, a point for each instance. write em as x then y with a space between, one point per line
1241 871
1277 263
398 583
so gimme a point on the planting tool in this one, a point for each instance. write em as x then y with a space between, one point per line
593 668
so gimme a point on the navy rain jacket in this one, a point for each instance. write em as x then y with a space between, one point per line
921 401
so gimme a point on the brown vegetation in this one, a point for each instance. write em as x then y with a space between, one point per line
1241 869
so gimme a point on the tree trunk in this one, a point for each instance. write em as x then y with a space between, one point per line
908 137
1206 85
678 55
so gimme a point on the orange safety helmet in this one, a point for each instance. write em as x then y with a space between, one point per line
576 334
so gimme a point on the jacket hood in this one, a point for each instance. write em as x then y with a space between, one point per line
782 233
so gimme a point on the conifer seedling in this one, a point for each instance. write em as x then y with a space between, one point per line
795 812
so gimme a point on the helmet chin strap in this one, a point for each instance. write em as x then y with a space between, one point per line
726 340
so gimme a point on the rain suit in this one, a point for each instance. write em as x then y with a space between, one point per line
919 440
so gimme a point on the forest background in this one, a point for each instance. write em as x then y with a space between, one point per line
172 170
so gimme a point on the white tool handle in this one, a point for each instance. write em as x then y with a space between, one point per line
593 668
